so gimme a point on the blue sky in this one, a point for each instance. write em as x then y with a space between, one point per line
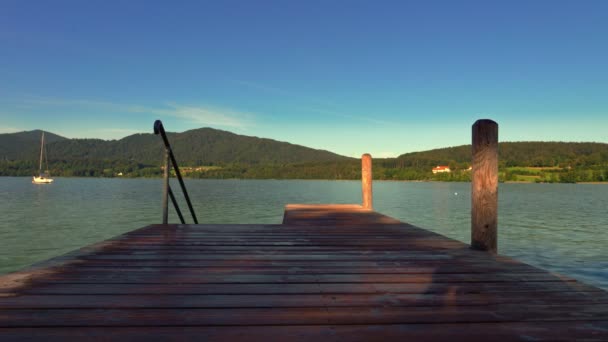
384 77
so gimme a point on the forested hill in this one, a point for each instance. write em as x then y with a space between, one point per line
211 153
18 145
523 154
204 146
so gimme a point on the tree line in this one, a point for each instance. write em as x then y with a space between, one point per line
383 169
209 153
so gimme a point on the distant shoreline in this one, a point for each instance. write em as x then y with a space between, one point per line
316 179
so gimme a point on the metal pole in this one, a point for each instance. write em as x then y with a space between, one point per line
176 206
159 129
166 189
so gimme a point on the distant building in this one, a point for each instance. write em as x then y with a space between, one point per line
441 169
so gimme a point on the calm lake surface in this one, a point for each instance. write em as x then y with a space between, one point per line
559 227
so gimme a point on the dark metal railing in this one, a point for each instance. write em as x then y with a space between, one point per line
167 192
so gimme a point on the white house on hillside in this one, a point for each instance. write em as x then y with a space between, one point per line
441 169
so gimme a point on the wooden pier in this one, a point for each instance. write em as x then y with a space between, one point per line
337 272
327 273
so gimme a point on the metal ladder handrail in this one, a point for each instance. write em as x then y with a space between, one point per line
167 192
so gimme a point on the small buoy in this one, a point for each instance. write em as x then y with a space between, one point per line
455 194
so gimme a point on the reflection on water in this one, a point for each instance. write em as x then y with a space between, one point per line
560 227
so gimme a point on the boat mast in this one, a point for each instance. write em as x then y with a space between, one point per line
46 162
41 150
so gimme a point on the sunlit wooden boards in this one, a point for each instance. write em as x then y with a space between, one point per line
329 273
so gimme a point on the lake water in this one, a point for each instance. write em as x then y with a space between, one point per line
559 227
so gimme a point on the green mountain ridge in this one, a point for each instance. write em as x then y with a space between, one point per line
25 144
227 155
203 146
523 153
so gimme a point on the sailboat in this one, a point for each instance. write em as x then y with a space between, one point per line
43 177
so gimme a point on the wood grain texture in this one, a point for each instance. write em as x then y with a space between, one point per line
334 272
484 186
497 331
366 181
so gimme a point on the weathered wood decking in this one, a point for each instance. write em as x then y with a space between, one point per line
327 273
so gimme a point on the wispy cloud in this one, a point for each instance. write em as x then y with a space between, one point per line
122 131
196 114
206 115
348 116
9 129
319 106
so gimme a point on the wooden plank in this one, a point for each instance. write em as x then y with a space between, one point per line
252 269
125 276
244 264
333 215
295 301
254 257
505 331
324 276
321 268
300 316
534 288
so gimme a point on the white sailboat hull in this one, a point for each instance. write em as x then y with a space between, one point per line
42 177
41 180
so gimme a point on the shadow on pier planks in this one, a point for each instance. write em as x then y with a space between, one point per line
329 272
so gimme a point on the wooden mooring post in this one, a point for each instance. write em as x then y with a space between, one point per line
366 180
484 186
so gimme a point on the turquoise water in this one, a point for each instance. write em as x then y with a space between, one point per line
559 227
